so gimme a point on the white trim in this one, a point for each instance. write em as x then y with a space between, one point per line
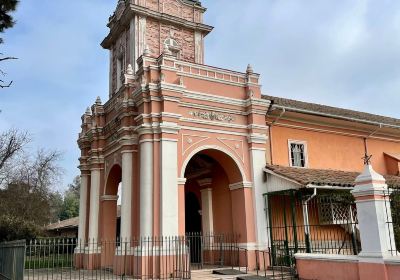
327 187
326 257
182 181
392 260
282 177
240 185
214 131
299 142
213 123
109 197
214 98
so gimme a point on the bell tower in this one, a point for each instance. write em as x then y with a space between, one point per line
151 27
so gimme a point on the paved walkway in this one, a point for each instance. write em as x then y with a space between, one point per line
44 274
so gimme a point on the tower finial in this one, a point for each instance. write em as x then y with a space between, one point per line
88 111
129 70
249 69
98 100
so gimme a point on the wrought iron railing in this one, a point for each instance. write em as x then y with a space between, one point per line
300 223
144 258
392 217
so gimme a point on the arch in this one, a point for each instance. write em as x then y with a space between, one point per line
219 149
114 177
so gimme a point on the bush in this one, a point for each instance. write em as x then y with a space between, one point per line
14 228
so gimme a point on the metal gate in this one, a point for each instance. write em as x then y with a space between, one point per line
215 250
302 222
12 259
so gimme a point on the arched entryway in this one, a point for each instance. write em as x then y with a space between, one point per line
218 207
216 181
110 210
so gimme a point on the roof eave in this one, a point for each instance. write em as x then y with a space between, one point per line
304 111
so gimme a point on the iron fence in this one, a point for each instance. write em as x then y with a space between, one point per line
267 271
300 222
144 258
12 260
217 250
392 217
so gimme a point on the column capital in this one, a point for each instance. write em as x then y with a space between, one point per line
205 182
109 198
240 185
182 181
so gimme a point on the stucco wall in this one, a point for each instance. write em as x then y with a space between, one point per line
332 150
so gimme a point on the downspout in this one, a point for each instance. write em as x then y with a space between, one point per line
307 222
270 131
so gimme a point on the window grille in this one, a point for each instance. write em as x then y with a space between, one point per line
297 155
336 213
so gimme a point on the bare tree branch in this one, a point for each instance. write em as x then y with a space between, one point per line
7 58
12 142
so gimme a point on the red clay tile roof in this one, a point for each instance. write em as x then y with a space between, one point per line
325 177
72 223
334 111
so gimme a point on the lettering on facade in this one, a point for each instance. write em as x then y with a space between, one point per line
212 116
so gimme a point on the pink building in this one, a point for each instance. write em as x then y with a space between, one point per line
196 148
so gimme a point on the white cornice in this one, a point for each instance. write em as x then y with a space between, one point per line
240 185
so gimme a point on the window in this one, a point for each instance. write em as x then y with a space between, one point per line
298 153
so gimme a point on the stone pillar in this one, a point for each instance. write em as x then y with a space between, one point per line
207 217
94 206
373 212
181 206
169 187
126 195
146 188
257 156
83 210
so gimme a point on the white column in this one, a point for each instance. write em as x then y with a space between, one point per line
207 211
83 210
126 195
169 188
132 41
257 157
373 213
198 47
94 206
146 188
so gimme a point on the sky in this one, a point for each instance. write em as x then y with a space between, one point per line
340 53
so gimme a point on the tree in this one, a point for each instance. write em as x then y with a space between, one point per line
70 205
27 180
6 21
12 143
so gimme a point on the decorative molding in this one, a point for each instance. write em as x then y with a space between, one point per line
240 185
237 148
191 140
109 197
212 116
182 181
